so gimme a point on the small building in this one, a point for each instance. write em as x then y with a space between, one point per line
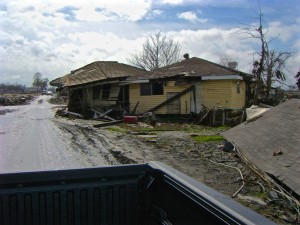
96 85
186 86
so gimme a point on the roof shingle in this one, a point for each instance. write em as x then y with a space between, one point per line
193 67
278 128
101 70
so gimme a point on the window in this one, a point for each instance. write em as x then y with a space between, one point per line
96 92
145 89
155 88
158 88
238 88
105 91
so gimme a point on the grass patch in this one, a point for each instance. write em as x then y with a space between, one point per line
201 129
262 195
208 138
117 129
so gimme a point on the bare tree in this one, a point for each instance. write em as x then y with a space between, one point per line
275 66
270 65
37 80
298 79
39 83
226 60
158 51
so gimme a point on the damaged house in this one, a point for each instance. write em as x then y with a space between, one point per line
96 85
271 142
186 86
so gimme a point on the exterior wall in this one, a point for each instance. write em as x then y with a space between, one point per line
89 102
211 93
238 100
150 101
196 104
223 94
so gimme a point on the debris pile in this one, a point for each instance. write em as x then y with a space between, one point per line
218 116
3 112
15 99
59 100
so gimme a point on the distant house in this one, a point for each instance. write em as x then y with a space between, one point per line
183 87
96 85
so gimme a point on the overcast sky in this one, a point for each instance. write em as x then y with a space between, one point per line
55 37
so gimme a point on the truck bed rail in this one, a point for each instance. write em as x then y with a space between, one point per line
146 194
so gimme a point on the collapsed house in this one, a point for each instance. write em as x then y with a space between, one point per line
271 141
187 86
96 85
179 89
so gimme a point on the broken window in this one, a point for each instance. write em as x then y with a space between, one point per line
105 91
155 88
145 89
96 92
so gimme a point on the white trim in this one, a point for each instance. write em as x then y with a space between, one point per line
223 77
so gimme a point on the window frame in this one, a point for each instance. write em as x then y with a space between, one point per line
96 92
152 88
105 91
238 87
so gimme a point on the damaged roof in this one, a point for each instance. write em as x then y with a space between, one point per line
272 142
60 81
100 70
193 67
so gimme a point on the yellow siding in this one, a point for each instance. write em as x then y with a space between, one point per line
216 93
238 100
148 102
223 93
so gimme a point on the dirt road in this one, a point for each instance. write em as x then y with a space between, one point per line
30 140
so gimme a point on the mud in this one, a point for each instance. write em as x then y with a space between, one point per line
202 161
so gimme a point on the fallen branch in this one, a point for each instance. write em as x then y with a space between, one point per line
75 114
233 167
295 204
108 123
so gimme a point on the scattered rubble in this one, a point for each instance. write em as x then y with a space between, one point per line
218 165
58 100
4 111
255 111
278 152
15 99
252 199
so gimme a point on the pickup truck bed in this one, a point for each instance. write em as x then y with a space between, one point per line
146 194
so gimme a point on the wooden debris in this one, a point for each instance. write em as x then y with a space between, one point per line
171 99
74 114
103 115
108 123
278 152
133 111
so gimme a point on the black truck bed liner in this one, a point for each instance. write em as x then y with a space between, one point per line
129 194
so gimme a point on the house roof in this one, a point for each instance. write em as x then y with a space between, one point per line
100 70
193 67
60 81
276 129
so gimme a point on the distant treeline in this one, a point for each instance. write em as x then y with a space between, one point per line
12 88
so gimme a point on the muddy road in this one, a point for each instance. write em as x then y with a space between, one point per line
31 140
